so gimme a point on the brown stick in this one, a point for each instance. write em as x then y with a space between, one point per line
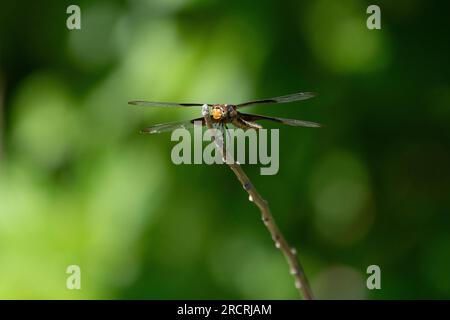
301 282
1 119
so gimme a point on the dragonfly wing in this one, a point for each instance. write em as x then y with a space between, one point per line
164 127
283 99
290 122
164 104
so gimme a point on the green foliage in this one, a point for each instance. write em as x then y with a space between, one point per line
79 185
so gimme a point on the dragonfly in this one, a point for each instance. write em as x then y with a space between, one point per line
224 114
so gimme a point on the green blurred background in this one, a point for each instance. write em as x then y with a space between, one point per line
79 185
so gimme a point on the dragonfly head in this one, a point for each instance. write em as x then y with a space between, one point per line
222 111
217 112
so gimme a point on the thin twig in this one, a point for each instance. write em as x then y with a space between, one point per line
1 119
301 282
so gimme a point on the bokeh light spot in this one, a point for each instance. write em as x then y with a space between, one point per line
340 282
338 36
44 121
341 194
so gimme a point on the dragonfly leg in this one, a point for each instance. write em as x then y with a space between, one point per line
224 146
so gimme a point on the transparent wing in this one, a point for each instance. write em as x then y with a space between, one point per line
165 127
283 99
290 122
164 104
